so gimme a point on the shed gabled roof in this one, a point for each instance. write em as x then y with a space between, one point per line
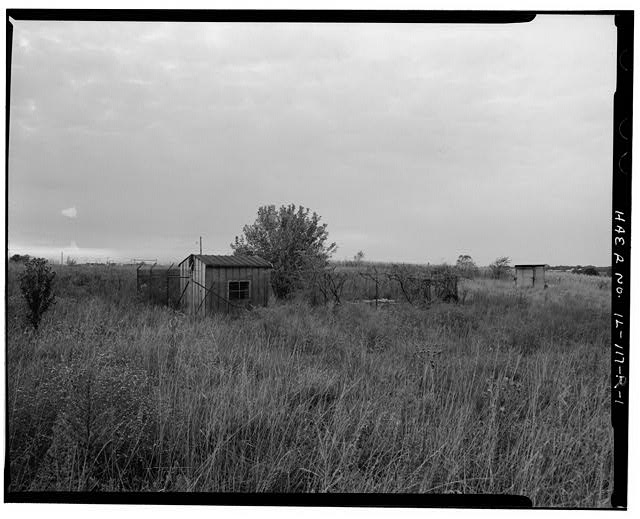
233 261
530 266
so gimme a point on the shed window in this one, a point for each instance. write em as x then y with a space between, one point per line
239 290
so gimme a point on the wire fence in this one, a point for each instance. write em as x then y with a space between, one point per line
382 285
337 285
159 285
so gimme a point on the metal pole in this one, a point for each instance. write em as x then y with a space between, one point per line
168 273
376 293
183 291
200 245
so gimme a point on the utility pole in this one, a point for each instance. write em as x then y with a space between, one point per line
200 245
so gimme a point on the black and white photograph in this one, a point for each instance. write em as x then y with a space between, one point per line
258 256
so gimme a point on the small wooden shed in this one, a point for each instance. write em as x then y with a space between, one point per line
530 275
210 284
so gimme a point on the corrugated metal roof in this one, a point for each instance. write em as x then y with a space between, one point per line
233 261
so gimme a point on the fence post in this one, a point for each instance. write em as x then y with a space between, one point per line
138 278
376 292
168 274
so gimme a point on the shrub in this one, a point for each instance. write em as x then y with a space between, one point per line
466 267
103 427
36 284
19 258
500 267
292 239
589 270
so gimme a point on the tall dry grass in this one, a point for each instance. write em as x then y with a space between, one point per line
504 393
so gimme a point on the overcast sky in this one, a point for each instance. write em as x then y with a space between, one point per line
414 143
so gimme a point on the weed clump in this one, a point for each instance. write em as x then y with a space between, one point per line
102 434
36 284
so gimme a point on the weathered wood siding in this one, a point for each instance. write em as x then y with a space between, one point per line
530 277
525 277
185 286
265 282
218 278
192 283
196 275
199 288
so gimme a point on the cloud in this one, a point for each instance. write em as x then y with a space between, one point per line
356 121
71 212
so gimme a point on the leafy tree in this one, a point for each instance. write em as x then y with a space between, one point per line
36 284
292 239
359 257
466 266
500 267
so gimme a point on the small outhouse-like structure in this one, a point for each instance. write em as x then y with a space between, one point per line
530 275
210 284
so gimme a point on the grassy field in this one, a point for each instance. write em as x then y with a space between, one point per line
505 392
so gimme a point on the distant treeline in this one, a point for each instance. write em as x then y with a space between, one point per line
70 261
589 270
576 269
